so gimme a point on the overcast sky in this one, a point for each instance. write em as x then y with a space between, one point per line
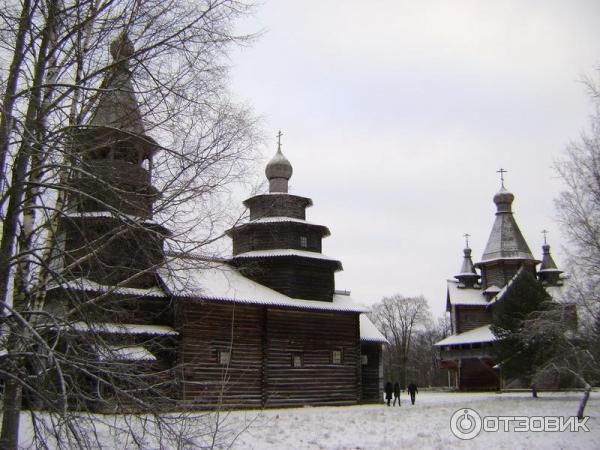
397 114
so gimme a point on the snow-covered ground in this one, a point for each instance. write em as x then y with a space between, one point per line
422 426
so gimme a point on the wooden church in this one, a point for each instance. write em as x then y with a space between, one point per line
263 328
471 296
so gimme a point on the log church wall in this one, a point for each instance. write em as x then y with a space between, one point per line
278 357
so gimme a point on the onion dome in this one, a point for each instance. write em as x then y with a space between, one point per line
278 172
503 200
467 276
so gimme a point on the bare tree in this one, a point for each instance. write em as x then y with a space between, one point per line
61 71
571 361
400 318
578 209
578 205
424 365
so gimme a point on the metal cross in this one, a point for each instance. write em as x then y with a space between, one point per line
545 232
502 172
467 236
279 134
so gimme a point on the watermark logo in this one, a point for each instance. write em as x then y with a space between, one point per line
466 423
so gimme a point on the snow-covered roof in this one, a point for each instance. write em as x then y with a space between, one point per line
477 335
465 296
493 289
285 252
119 216
277 219
369 332
194 279
506 240
283 219
500 295
83 284
308 200
128 353
121 328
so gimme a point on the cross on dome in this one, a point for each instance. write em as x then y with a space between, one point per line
502 172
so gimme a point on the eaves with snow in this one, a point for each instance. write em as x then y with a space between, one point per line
478 335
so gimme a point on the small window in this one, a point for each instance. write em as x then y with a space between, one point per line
336 357
297 360
303 241
224 357
364 360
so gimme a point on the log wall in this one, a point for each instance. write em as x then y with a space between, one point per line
275 236
499 273
207 329
295 277
262 342
468 318
313 335
279 205
370 382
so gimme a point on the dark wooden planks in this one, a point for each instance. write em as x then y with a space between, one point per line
262 341
370 385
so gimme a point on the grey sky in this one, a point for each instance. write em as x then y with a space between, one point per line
397 114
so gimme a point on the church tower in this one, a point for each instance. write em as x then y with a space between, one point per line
548 273
278 247
506 250
468 277
107 232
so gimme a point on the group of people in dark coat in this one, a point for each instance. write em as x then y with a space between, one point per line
395 389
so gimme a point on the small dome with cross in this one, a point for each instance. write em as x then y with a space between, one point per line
278 170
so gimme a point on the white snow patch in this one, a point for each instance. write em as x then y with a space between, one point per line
83 284
465 296
369 332
121 328
195 279
284 252
481 334
119 353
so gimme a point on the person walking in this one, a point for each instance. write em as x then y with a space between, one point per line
388 392
412 390
396 393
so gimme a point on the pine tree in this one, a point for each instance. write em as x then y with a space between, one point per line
519 357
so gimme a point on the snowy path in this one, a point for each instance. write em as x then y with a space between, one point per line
425 425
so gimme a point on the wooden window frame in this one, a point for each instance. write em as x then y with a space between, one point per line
220 357
295 355
364 359
304 241
333 359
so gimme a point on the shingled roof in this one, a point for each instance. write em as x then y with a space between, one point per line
506 240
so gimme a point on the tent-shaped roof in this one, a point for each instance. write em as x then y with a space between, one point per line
506 240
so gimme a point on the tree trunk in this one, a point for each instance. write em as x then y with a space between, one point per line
403 370
9 438
584 400
9 98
